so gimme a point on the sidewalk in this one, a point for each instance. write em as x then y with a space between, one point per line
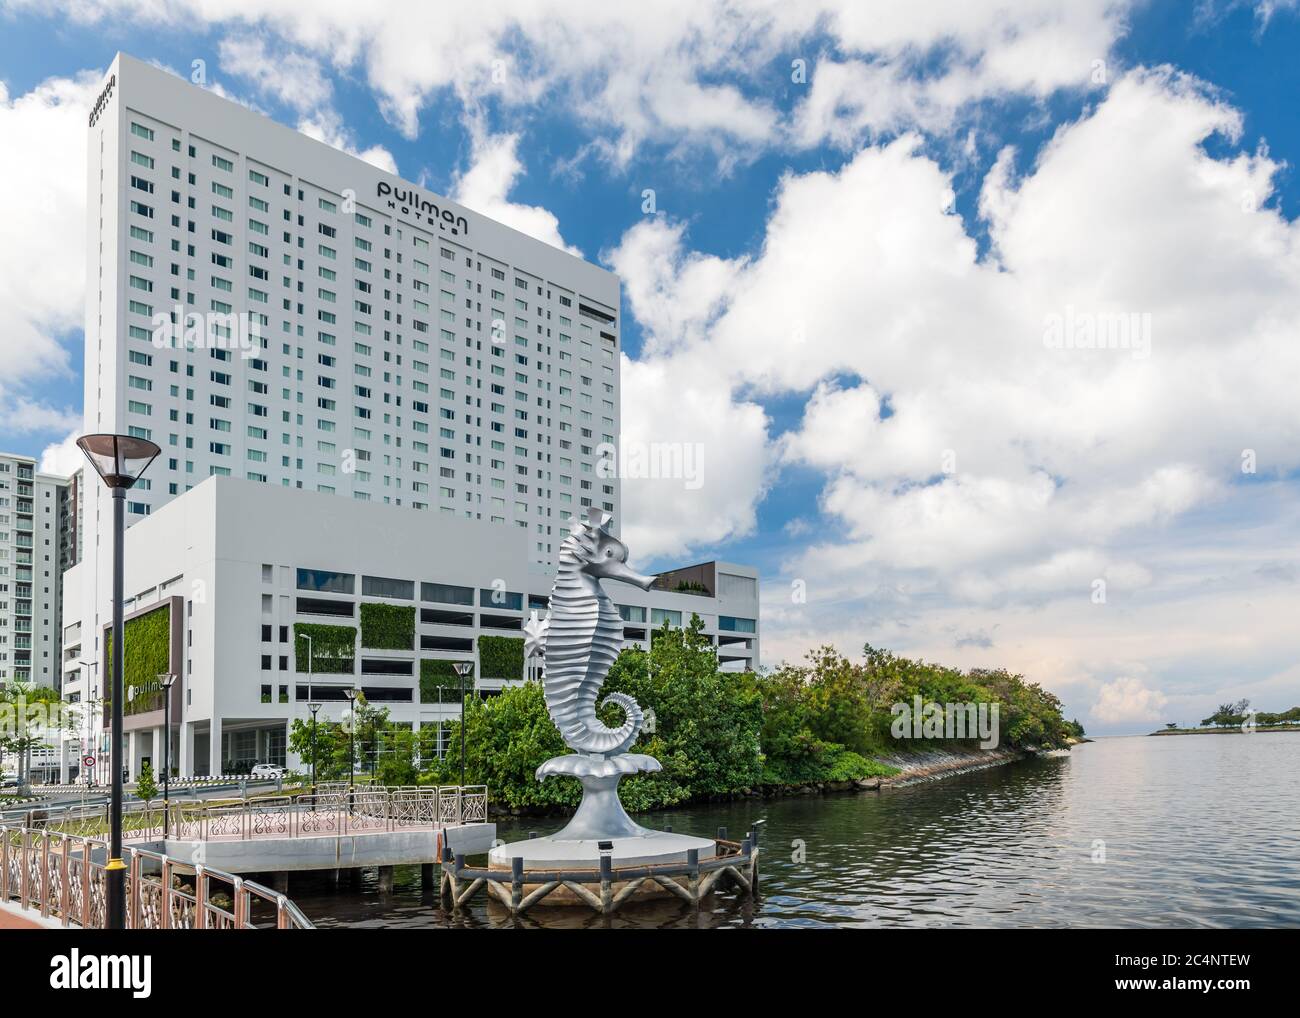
12 917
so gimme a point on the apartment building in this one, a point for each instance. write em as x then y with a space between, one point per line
33 556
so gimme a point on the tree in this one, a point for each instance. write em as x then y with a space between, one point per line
506 739
383 749
397 758
721 732
706 733
332 745
145 787
1226 716
29 715
707 720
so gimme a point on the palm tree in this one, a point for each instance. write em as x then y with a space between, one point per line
21 697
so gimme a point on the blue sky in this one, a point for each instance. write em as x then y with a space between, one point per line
1024 111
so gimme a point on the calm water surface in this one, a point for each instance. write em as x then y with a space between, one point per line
1196 830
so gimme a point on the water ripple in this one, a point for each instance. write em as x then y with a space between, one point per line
1190 831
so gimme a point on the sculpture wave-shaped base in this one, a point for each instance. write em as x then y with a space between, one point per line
600 815
583 765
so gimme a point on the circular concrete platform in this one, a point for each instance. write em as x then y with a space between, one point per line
653 848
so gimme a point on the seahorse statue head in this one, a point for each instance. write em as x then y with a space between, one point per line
598 554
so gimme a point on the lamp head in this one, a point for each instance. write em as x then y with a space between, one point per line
119 460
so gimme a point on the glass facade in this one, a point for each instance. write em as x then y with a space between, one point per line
326 582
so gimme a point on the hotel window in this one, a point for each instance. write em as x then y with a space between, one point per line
383 586
326 582
495 598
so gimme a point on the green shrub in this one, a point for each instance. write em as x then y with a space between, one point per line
333 648
501 657
387 626
145 786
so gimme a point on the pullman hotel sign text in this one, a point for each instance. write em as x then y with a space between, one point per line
101 103
409 202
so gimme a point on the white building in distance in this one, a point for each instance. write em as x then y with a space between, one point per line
34 551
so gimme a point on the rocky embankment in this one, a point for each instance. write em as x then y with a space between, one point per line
913 767
932 764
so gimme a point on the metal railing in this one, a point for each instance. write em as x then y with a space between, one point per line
203 781
62 877
333 810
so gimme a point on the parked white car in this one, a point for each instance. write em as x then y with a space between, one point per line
268 772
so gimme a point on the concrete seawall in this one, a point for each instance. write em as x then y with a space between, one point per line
933 764
327 852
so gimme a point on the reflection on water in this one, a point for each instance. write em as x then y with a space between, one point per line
1193 831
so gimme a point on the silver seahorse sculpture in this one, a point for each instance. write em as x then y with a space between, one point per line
579 640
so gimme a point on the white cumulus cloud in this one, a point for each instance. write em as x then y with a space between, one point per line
1127 700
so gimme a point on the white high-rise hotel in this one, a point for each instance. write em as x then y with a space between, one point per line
411 352
269 309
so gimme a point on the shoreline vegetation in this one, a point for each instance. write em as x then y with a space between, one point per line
1226 731
1237 718
821 726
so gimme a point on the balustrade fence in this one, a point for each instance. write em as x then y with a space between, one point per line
62 876
333 810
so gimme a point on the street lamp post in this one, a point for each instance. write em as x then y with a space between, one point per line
166 680
463 668
314 707
119 460
374 749
311 706
351 695
90 700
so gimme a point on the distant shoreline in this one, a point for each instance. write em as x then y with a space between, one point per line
1230 730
